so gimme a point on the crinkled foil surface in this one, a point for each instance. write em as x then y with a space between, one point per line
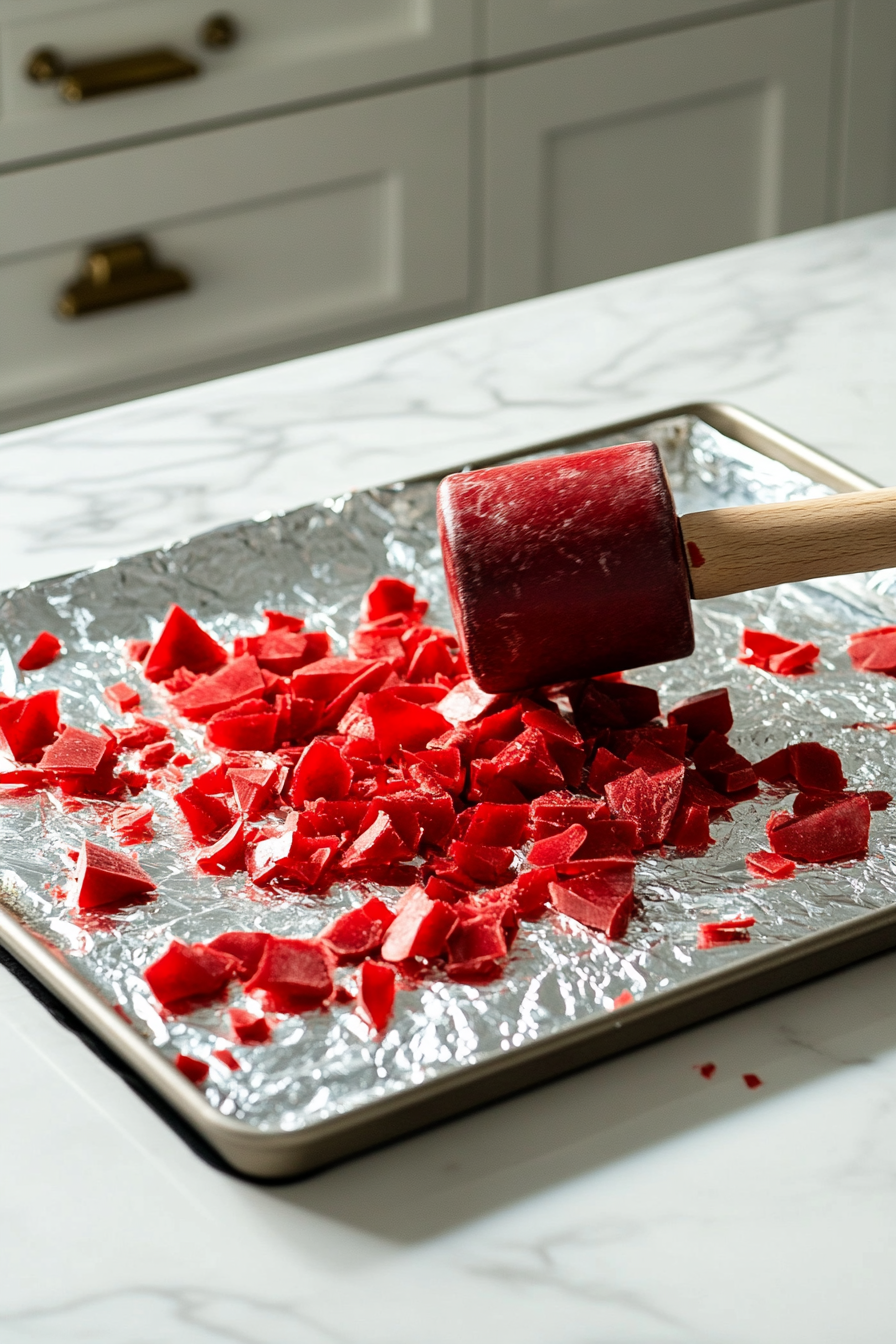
319 560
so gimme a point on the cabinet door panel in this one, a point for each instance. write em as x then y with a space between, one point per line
616 160
291 230
285 52
868 178
513 26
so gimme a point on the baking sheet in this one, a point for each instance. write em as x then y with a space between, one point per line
324 1069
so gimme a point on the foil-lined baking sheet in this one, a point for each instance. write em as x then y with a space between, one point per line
319 561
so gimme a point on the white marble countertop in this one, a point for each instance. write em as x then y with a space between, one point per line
634 1203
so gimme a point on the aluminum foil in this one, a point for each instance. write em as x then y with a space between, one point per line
319 560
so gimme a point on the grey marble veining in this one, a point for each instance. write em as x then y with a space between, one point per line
633 1203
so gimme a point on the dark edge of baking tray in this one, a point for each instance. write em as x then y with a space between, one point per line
245 1151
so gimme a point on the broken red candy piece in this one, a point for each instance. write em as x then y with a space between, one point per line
182 642
122 697
816 768
399 723
387 596
486 864
283 620
322 772
527 763
227 855
614 704
75 752
204 813
184 973
42 651
624 999
878 799
359 932
722 766
710 711
530 891
248 1029
650 801
775 769
326 677
135 650
431 659
373 676
194 1069
294 974
245 947
442 764
420 929
106 877
476 947
496 824
226 1059
283 651
595 903
240 680
705 1070
292 858
466 703
376 993
27 726
132 823
874 650
608 839
143 732
249 726
725 931
758 646
254 788
836 832
772 866
604 768
381 842
752 1080
690 829
556 849
155 755
648 756
794 661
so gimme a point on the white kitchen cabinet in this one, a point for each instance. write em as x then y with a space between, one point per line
516 26
647 152
292 227
285 52
868 176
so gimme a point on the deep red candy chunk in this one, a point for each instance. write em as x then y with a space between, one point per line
122 697
322 772
775 769
254 787
132 823
556 849
245 947
527 763
284 651
380 843
614 704
141 734
477 947
227 1059
467 703
107 877
376 993
40 652
227 855
155 756
194 1069
690 829
793 661
249 726
816 768
75 752
28 725
595 902
442 764
604 768
650 801
758 646
387 596
326 677
292 858
710 711
400 810
773 866
431 658
399 723
240 680
283 620
182 642
359 932
184 972
204 813
725 931
497 824
294 974
486 864
135 650
836 832
874 650
420 929
248 1029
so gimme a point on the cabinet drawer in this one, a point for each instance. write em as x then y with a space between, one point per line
284 52
651 151
291 230
513 26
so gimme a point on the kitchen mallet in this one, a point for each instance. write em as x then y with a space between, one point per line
577 565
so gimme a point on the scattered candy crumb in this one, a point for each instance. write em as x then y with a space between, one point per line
752 1080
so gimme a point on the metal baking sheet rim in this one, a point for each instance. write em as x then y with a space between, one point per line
281 1156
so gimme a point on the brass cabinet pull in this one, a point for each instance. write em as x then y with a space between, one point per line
122 271
94 78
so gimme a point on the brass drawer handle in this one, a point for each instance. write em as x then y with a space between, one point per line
137 70
123 271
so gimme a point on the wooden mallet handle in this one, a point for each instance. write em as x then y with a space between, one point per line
734 550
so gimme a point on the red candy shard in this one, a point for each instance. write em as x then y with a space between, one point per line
249 726
387 596
690 829
106 877
752 1080
75 752
204 813
227 855
156 755
245 948
194 1069
772 866
380 843
254 787
705 1070
184 972
326 677
874 650
465 703
556 849
725 931
604 768
292 858
775 769
132 823
476 947
650 801
485 864
226 1058
614 704
27 726
122 697
816 768
283 620
399 724
40 652
794 661
710 711
758 646
322 772
836 832
497 824
359 932
376 993
143 732
294 974
240 680
182 642
421 927
248 1029
624 999
135 650
595 902
283 651
527 763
